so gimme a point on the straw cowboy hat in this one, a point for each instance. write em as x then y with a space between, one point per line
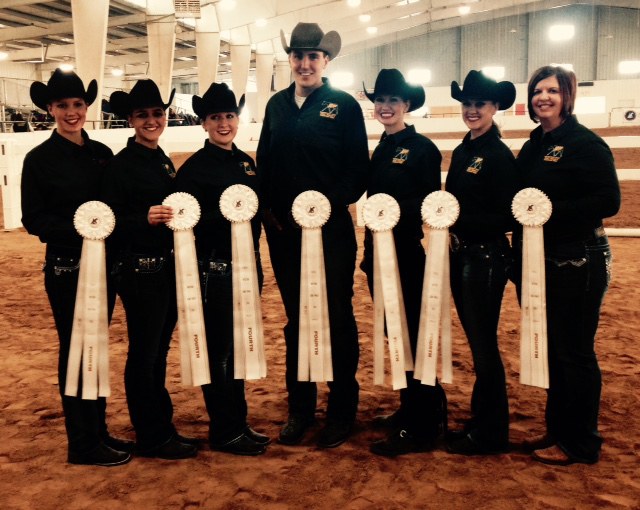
62 85
144 94
218 98
478 86
309 36
390 82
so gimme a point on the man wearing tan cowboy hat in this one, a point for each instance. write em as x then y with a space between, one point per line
313 138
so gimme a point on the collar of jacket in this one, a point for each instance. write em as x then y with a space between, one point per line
493 132
143 151
538 136
67 146
400 136
326 86
218 151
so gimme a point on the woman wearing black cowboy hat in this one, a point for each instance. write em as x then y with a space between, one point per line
483 177
205 175
140 177
415 426
58 176
313 138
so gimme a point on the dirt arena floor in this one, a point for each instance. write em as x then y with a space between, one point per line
34 473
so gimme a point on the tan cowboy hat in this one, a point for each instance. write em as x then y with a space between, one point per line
309 36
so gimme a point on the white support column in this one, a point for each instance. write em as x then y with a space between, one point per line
207 47
283 74
240 60
264 74
90 33
161 34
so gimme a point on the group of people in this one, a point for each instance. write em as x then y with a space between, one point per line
313 138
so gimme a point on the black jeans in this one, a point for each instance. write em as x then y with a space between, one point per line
478 278
84 419
422 407
339 243
146 285
224 398
577 278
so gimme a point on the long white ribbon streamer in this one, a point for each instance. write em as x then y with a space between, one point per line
381 213
532 208
239 204
440 210
311 210
89 347
194 356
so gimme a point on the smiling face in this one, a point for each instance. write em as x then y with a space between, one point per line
70 115
148 123
390 111
478 114
546 101
307 67
222 128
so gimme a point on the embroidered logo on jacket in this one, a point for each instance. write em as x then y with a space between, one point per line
400 156
554 153
329 110
475 166
246 166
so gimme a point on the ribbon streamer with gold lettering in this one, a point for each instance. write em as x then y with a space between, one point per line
440 210
239 204
311 210
89 347
532 208
381 213
194 357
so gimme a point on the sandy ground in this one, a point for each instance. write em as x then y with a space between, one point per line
34 473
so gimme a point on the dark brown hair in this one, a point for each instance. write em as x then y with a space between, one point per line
566 80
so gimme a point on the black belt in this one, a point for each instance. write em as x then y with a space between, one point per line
457 243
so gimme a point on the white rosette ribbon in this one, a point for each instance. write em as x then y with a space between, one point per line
89 348
194 357
532 208
239 204
440 210
381 213
311 210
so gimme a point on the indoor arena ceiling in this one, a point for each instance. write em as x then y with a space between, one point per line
41 31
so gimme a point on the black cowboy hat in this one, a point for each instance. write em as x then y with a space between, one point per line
478 86
309 36
62 85
218 98
144 94
390 82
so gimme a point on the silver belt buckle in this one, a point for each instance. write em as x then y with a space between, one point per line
454 242
218 267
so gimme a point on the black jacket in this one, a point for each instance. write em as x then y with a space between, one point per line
138 178
58 176
484 179
574 167
205 175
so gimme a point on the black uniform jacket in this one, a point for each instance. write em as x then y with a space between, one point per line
406 165
205 175
574 167
58 176
321 146
138 178
484 179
